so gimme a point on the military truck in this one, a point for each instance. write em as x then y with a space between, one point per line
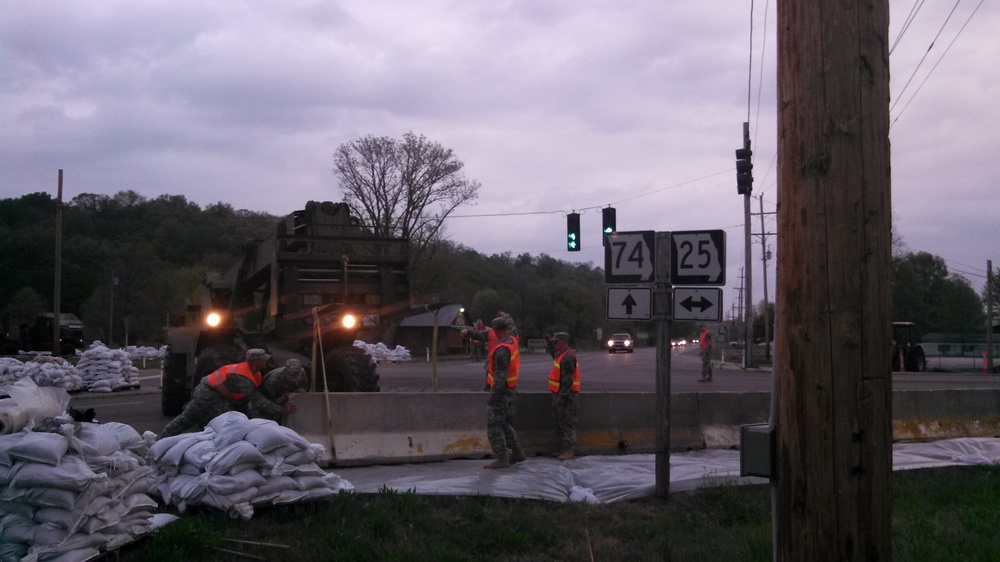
37 336
907 353
308 291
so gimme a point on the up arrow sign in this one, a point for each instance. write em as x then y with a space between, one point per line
629 303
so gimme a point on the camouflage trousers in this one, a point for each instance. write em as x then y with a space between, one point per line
204 406
565 415
706 363
500 420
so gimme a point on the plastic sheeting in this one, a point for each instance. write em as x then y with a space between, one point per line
29 404
602 479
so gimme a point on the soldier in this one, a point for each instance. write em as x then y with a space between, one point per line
230 387
281 382
505 362
489 336
564 382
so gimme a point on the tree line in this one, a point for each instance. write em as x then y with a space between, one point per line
130 261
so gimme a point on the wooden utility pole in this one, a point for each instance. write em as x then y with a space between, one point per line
57 290
833 439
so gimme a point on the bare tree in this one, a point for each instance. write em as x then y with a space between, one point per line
402 188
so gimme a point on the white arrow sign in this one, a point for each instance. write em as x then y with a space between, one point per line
698 304
629 303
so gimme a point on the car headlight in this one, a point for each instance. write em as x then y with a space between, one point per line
627 343
611 343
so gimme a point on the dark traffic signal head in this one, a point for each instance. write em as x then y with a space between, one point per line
573 232
744 165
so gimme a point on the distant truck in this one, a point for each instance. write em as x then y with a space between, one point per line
38 335
305 292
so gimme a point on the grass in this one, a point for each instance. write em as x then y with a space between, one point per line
939 514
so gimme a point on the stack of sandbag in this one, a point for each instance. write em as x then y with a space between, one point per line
137 352
107 370
237 464
381 352
47 370
11 370
27 404
73 493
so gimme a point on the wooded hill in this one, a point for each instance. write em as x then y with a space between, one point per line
126 256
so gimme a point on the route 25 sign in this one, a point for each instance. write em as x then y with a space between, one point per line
698 257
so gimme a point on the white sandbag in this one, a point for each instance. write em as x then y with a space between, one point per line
71 474
229 485
240 452
37 447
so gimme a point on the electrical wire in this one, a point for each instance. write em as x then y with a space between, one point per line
948 48
917 4
927 52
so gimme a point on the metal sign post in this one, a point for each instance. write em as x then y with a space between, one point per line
661 314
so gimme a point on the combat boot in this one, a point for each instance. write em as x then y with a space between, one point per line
517 455
565 455
501 462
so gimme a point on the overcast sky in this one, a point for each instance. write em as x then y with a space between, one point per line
554 106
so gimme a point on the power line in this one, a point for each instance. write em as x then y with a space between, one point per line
948 48
594 207
917 4
931 46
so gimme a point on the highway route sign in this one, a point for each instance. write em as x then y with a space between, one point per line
630 303
698 304
698 257
628 257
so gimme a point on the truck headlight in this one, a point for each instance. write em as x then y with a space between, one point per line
348 321
213 319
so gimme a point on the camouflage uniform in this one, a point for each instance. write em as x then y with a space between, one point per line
483 336
500 413
279 383
565 403
206 403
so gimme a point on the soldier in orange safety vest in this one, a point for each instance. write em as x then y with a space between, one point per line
490 337
564 383
505 365
228 388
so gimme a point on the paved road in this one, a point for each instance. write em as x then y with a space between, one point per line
601 372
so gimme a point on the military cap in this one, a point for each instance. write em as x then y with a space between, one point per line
500 323
257 354
294 365
560 336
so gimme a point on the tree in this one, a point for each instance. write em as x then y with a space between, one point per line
923 292
26 305
402 188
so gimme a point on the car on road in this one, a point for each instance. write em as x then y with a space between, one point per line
620 342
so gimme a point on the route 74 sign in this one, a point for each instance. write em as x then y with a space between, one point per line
698 257
628 257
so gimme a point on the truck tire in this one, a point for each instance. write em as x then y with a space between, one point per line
350 369
174 390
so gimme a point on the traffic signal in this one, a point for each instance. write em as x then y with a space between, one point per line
608 220
573 232
744 177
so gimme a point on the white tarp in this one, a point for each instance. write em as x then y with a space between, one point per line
613 478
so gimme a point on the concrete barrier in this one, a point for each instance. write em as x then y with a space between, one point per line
385 428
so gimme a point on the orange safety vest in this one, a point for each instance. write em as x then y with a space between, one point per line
217 379
555 375
515 364
491 344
